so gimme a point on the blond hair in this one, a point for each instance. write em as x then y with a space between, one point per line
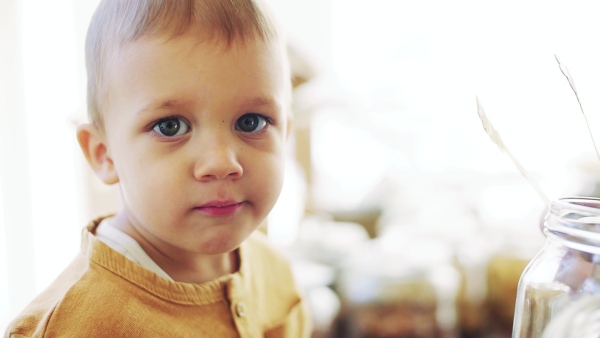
118 22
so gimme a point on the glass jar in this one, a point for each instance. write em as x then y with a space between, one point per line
566 269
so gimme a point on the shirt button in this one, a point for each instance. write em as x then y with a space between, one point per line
240 310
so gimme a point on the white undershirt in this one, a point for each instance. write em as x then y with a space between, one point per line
127 246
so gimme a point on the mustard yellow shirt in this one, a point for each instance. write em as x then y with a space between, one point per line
104 294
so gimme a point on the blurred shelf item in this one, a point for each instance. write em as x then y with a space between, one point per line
315 279
503 273
399 287
471 260
366 218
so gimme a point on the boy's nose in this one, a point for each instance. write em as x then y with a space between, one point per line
217 163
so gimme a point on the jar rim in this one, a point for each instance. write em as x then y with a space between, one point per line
578 203
575 222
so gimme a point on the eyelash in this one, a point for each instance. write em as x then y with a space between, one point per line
267 122
154 127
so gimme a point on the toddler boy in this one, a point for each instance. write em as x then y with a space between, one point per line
189 103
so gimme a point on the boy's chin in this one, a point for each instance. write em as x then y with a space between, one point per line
222 244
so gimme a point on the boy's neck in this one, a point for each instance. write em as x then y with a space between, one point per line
181 266
199 271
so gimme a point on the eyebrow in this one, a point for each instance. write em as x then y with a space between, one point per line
262 102
163 105
255 102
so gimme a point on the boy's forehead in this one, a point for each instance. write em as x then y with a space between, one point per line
196 49
209 43
148 55
205 35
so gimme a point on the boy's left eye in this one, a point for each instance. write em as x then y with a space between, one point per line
251 123
172 126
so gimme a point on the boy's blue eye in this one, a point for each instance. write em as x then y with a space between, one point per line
172 126
251 123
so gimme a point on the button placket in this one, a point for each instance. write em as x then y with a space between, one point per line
239 307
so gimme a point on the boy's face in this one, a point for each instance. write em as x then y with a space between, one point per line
197 133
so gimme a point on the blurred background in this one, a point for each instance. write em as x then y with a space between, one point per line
401 217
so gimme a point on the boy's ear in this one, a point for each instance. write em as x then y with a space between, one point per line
96 152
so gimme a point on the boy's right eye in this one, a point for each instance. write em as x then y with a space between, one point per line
171 126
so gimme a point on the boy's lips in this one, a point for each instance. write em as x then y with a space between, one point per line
219 208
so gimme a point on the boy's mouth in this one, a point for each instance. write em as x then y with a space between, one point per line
219 208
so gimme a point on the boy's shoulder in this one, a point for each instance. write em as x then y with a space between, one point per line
63 303
76 302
